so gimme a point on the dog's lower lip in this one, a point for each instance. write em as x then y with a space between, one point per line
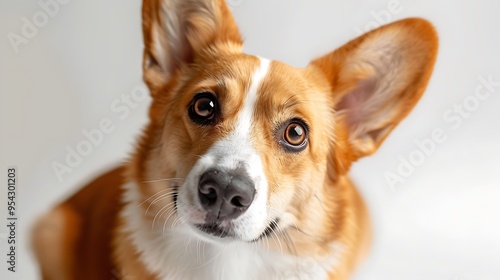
214 229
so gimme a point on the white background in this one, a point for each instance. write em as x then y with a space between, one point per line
441 223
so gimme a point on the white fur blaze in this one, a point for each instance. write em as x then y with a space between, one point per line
233 153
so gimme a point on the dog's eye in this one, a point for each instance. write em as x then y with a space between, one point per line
294 134
203 108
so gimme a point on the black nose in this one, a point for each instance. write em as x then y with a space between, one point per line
224 195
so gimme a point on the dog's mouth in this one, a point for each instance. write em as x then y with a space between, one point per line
216 230
222 232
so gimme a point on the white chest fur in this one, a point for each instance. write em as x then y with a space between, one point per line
181 254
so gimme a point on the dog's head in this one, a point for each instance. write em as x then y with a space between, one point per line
238 145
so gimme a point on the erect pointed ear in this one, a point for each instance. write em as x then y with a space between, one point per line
377 79
175 31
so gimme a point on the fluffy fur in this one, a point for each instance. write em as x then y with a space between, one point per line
139 221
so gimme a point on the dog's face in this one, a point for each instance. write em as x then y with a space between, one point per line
246 136
242 147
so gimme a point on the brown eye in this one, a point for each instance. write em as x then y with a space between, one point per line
203 108
295 134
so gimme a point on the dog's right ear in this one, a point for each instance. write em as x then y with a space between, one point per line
175 31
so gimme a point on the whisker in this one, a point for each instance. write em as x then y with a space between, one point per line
155 194
286 236
164 208
274 234
198 250
163 180
176 221
320 201
167 219
203 249
171 213
209 260
267 244
290 243
186 246
161 197
169 189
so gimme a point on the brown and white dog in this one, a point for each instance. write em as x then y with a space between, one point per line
241 172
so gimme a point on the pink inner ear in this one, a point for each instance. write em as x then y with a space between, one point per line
355 104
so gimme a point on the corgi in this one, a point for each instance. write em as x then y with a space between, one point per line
242 170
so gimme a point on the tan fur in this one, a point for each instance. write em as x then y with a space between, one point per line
389 66
74 240
53 241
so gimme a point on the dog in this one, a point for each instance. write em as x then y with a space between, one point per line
242 170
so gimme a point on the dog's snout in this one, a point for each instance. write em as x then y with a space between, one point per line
225 195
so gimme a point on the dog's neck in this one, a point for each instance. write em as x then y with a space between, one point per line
178 253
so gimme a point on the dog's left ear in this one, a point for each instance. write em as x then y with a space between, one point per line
376 80
176 31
